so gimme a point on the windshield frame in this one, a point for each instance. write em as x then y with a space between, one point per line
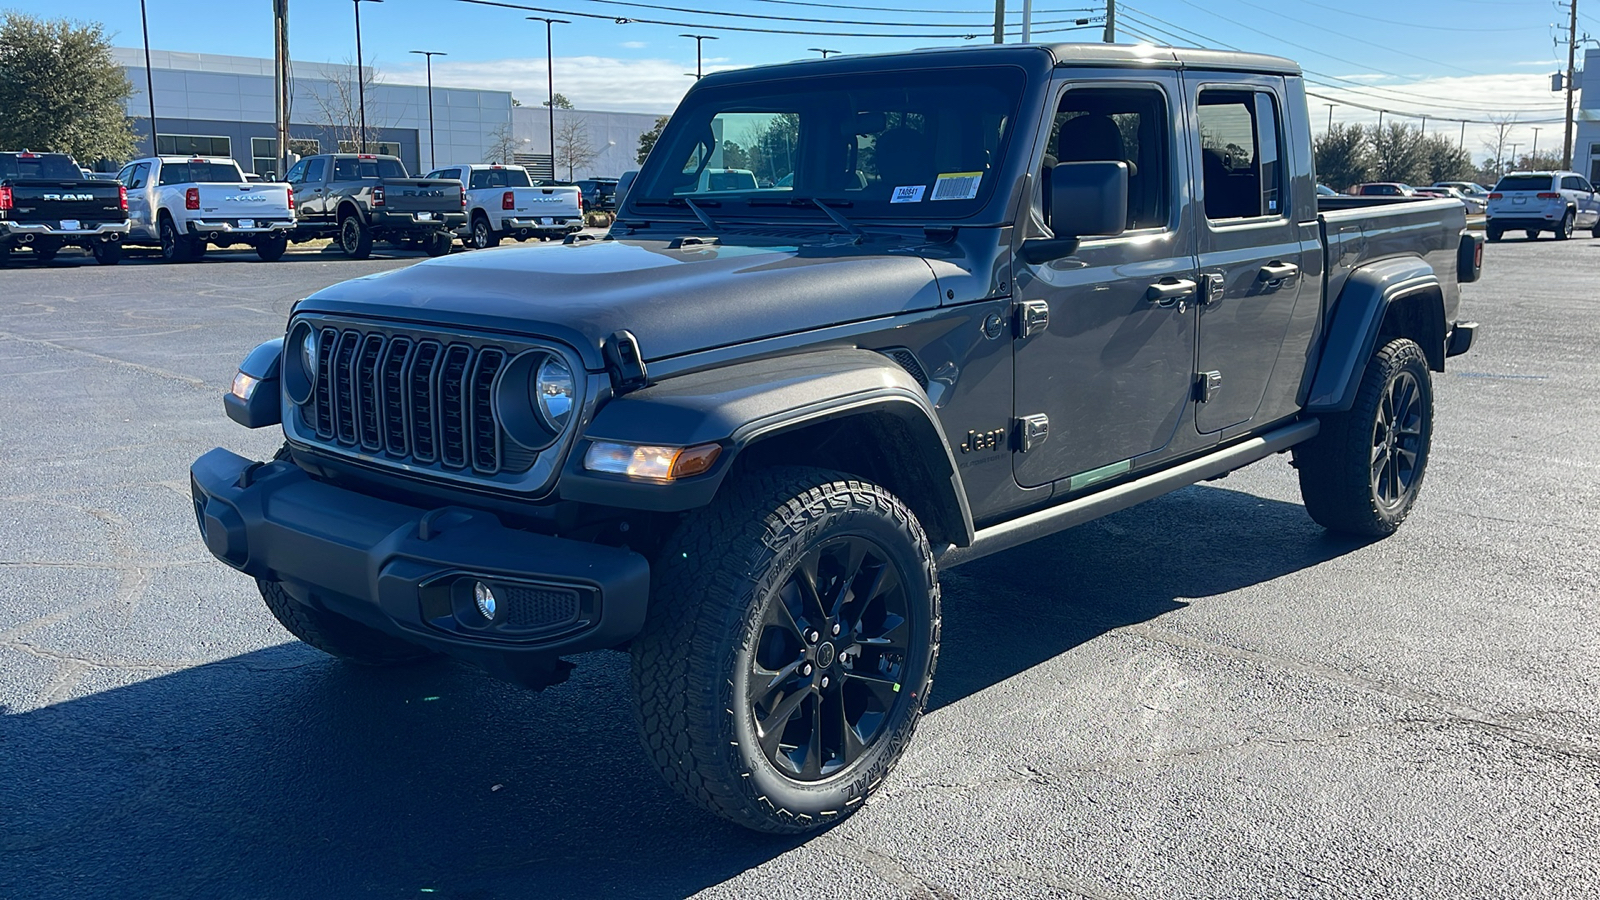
730 93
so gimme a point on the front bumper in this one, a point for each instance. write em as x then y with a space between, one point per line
410 572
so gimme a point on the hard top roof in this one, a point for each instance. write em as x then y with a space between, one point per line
1061 55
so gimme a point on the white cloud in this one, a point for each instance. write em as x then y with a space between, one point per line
634 45
590 82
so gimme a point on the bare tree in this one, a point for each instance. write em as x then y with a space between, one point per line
1504 124
337 102
573 149
502 146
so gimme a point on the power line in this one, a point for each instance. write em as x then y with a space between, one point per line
1349 15
737 15
983 13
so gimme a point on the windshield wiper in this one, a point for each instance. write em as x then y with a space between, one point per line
684 203
807 202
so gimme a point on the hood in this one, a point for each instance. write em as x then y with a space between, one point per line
675 301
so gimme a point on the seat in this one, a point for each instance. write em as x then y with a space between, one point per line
902 158
1094 137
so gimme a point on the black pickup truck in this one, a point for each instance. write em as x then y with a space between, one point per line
47 204
987 294
356 198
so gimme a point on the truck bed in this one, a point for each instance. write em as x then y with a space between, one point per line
1361 230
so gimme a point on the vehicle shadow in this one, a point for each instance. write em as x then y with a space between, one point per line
281 773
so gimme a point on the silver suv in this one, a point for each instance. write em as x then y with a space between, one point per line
1532 202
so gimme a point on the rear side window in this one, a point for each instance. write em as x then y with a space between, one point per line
1524 183
1241 147
53 166
1574 183
1128 125
183 173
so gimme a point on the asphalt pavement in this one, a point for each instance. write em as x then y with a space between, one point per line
1204 696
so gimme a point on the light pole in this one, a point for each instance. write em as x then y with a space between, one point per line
1330 115
823 50
1513 164
550 78
433 161
1535 145
149 80
699 71
361 76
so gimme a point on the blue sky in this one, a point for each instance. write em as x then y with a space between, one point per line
1444 58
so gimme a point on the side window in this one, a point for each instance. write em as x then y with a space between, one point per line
1583 184
481 179
140 176
297 173
1241 152
1127 125
124 178
316 169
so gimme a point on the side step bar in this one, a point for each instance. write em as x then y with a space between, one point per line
1036 525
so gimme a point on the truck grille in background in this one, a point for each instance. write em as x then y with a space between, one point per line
415 399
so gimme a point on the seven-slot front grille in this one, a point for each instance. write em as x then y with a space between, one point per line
423 399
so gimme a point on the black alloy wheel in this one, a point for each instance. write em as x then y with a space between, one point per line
830 659
354 238
1397 440
174 247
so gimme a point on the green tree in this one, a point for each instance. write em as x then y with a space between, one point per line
1343 156
648 139
1444 161
1398 154
61 91
560 102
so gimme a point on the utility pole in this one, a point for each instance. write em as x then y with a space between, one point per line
1463 144
1513 163
1424 126
1111 22
1572 62
550 77
999 21
1330 116
150 81
699 40
280 81
823 50
1535 145
1380 118
1027 21
433 159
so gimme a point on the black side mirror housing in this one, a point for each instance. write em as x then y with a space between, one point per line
623 183
1087 199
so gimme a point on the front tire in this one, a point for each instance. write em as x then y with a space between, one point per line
1362 472
791 641
336 635
355 239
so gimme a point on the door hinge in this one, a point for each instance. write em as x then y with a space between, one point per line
1029 317
1032 431
1206 385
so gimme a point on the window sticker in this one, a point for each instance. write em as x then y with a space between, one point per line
911 193
957 185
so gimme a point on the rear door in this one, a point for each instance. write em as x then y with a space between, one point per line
141 212
1250 246
1111 367
1582 194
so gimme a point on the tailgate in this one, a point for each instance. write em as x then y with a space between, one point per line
421 194
548 201
88 202
244 201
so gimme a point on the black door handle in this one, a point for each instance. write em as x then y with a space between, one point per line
1277 271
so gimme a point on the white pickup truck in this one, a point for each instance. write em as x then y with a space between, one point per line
502 202
184 204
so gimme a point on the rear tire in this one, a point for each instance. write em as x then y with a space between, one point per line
106 253
272 247
1494 234
483 237
1362 472
1564 230
336 635
1532 234
355 239
175 248
438 243
799 611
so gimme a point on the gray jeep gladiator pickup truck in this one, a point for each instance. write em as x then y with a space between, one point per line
356 198
984 295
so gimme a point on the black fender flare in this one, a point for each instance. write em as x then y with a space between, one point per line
349 204
1358 318
750 403
265 405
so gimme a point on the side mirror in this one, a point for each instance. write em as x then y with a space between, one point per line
1087 199
623 184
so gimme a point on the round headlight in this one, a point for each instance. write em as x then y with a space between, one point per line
553 391
308 353
300 362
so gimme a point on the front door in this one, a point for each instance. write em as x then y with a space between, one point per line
136 178
310 194
1250 251
1112 367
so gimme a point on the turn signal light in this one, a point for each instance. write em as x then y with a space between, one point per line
647 463
5 198
1549 195
464 197
508 200
1497 196
291 199
191 198
377 195
122 197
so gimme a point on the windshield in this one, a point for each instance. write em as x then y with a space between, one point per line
350 168
915 144
499 178
52 166
1524 183
185 173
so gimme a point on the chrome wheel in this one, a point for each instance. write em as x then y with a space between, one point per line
830 658
1397 440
